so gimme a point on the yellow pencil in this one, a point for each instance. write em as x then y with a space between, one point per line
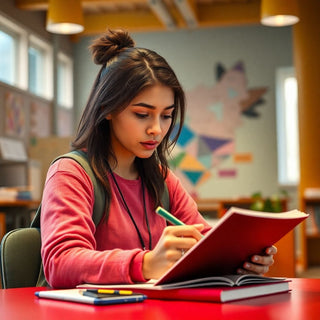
110 291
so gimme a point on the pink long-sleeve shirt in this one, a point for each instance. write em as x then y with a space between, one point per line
74 251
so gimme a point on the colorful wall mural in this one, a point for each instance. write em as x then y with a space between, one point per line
208 137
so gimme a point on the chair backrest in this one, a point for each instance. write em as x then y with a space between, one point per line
20 258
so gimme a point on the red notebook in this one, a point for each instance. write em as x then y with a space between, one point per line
221 289
217 294
238 235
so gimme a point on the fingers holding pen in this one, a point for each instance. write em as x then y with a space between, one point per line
180 238
179 230
175 240
185 232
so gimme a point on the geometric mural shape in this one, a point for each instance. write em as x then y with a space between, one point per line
175 162
185 136
232 93
254 97
226 149
203 148
191 163
227 173
206 160
217 109
214 143
192 147
243 157
239 66
193 176
206 175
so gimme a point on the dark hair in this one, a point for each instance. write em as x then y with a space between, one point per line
125 71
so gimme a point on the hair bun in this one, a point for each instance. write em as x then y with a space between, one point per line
109 45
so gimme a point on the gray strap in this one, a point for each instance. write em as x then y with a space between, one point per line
99 193
165 201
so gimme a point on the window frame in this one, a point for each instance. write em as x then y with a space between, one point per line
287 140
47 67
68 103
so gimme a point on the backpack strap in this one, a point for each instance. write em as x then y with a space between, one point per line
99 192
165 201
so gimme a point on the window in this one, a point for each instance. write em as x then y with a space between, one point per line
8 54
13 43
35 62
287 127
26 61
40 68
64 81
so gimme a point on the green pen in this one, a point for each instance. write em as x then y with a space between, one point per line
169 217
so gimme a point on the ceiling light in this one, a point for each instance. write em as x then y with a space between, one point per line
279 13
65 17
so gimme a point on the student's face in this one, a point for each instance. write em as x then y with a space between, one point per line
140 128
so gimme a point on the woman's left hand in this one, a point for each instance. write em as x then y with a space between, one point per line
259 264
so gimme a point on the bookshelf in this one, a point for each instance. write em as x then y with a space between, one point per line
310 233
15 214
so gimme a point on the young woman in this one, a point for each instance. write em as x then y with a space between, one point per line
135 103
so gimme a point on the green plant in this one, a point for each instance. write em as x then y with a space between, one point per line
269 204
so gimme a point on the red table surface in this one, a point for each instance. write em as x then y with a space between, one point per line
303 302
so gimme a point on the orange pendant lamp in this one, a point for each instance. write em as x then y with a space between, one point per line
279 13
65 17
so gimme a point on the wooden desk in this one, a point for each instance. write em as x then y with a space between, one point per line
303 302
19 203
17 210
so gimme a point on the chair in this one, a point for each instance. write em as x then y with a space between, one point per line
20 258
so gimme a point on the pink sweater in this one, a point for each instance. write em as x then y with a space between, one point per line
74 251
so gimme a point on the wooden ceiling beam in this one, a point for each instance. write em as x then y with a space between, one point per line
228 13
188 11
43 4
133 21
32 4
208 14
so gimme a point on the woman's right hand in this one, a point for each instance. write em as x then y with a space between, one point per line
174 241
